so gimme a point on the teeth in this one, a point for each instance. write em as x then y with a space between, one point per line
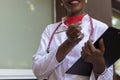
74 2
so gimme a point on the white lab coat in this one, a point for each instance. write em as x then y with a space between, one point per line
45 64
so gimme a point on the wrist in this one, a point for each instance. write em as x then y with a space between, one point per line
63 50
98 74
99 66
70 43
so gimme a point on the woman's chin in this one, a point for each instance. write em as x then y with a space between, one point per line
75 11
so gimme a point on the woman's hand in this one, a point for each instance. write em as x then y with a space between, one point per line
74 33
94 55
74 36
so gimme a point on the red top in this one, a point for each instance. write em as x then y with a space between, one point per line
74 19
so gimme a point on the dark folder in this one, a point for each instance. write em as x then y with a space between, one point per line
111 38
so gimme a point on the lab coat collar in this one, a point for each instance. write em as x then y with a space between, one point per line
84 20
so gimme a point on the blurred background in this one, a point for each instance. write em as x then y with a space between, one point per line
23 21
116 13
21 25
116 24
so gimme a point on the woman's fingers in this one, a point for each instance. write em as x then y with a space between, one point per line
74 32
101 44
88 51
79 38
85 51
92 54
91 47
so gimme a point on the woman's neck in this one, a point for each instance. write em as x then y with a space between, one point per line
75 13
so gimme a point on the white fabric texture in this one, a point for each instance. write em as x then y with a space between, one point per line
45 64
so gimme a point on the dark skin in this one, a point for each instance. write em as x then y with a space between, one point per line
94 56
73 33
89 52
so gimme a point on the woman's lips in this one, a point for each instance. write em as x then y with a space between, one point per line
74 2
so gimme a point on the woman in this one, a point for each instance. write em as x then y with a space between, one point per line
67 41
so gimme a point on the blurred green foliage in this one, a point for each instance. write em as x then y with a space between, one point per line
116 20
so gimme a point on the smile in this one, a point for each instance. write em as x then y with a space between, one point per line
74 2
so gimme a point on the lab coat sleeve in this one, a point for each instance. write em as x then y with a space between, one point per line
44 63
106 75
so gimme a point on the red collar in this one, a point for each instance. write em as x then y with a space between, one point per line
73 19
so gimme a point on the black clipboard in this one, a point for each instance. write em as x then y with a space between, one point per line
111 38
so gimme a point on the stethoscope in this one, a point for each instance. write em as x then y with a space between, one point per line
50 41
